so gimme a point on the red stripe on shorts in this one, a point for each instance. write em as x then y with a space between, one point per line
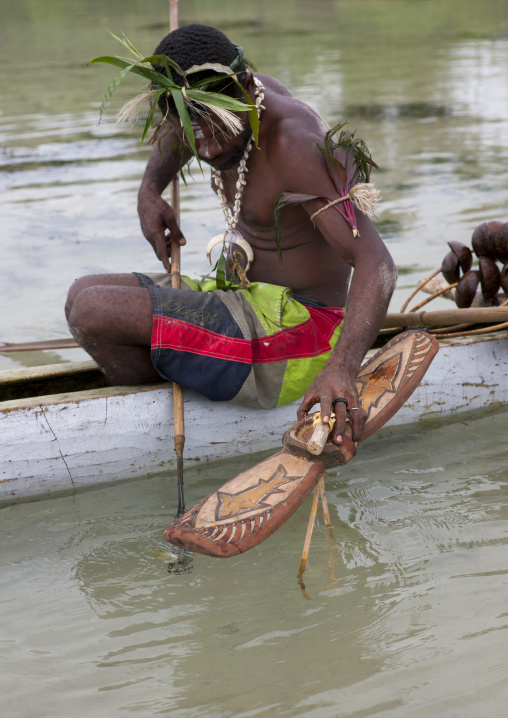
309 339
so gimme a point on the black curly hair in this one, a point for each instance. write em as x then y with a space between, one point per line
196 45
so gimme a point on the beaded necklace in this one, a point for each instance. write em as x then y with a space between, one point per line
232 214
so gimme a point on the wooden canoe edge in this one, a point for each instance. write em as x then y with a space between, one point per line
241 536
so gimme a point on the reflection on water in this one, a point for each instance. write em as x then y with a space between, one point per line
395 111
406 611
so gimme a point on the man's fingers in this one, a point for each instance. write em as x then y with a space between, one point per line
307 403
174 229
310 399
357 419
326 407
340 422
161 251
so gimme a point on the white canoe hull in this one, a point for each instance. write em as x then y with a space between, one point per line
66 442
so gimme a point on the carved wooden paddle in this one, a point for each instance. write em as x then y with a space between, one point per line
250 507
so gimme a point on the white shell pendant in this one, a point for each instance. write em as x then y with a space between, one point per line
236 239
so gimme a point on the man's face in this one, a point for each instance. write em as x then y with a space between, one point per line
216 145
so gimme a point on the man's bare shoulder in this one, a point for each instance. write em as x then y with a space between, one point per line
293 149
287 118
283 107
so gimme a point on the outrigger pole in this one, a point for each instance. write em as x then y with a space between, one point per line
178 412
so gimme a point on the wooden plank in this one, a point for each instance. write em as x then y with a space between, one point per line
50 379
14 376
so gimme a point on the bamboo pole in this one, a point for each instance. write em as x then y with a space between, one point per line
447 317
474 332
178 411
173 15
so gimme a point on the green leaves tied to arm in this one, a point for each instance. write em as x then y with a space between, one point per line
349 164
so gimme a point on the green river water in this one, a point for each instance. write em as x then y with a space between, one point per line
405 612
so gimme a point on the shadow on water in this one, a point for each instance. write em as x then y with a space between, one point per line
181 561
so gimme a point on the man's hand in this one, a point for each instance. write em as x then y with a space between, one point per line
159 225
331 383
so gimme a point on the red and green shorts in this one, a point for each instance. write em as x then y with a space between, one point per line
258 346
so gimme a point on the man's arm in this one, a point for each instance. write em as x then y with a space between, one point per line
372 285
304 171
157 218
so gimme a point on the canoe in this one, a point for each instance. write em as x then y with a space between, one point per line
64 428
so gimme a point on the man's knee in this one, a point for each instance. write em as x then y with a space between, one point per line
110 315
88 318
76 287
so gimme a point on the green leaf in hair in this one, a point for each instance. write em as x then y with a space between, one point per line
203 100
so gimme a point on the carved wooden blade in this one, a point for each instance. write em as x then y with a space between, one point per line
387 380
247 509
384 383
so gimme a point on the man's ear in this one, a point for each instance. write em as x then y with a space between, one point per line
248 83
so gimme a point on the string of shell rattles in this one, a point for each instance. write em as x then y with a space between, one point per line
483 285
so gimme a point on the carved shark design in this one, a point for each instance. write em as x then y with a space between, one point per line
254 497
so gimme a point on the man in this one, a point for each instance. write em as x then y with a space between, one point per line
231 345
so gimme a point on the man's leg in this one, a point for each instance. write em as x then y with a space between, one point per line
111 317
94 280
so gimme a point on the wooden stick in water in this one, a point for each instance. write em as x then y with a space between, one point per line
310 529
324 501
319 491
178 411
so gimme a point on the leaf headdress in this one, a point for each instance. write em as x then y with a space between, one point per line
204 101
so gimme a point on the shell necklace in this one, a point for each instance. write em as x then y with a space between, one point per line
232 214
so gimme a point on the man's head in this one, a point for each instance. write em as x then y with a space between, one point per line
199 45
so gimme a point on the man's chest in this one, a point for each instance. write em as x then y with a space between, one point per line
255 193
